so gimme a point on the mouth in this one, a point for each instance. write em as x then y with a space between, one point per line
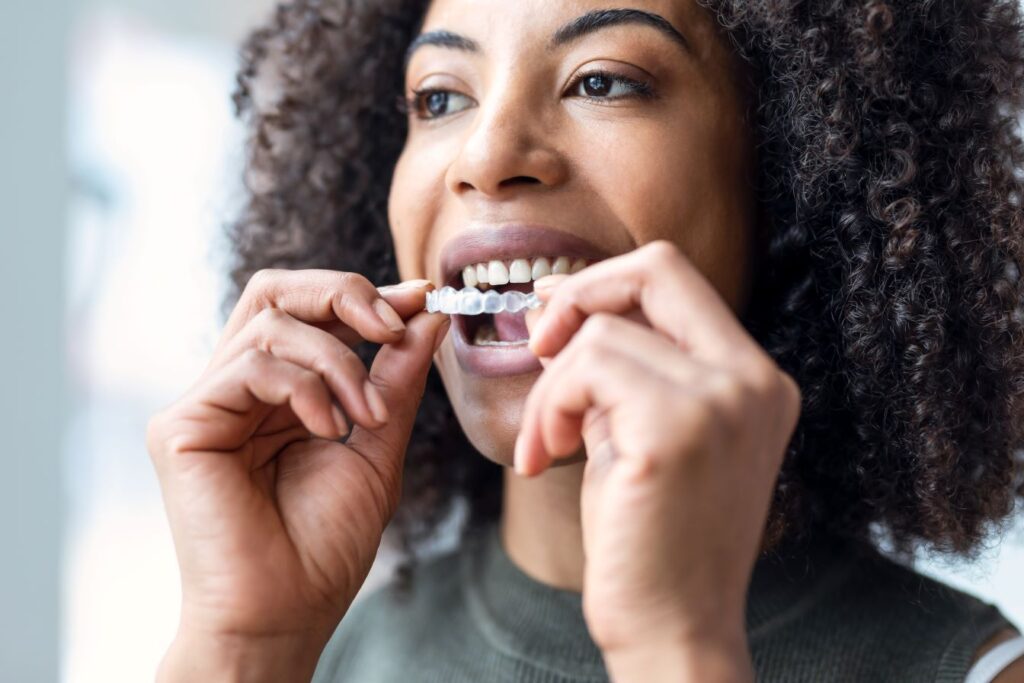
504 260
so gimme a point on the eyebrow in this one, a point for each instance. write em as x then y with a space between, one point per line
574 30
446 39
600 19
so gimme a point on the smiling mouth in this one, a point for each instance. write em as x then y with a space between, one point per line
506 328
501 259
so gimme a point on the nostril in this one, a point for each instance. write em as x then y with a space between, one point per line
520 180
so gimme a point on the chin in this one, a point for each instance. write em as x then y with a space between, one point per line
489 409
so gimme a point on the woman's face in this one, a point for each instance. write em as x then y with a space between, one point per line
563 129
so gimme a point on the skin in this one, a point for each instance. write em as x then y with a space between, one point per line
460 170
471 166
249 460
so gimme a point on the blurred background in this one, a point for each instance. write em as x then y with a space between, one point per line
121 163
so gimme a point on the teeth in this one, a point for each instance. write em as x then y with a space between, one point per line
469 276
497 273
486 335
541 268
520 271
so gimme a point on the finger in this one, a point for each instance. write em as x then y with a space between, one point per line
533 315
658 280
406 298
278 333
555 428
399 372
224 410
626 359
319 296
632 333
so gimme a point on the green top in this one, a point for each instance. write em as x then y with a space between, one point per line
831 613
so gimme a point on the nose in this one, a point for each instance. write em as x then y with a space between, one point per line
505 148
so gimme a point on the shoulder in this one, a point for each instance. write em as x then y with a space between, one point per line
932 624
1010 670
878 619
387 621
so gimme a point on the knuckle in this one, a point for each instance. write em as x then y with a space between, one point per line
262 279
701 414
254 358
339 289
644 463
598 327
346 279
772 383
731 390
589 352
268 318
792 397
308 381
338 358
566 296
266 325
662 250
162 439
380 378
155 430
789 387
341 301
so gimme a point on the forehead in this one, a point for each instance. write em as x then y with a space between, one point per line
524 22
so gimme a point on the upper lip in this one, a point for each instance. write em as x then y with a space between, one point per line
512 241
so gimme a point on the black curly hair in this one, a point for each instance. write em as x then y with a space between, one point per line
888 286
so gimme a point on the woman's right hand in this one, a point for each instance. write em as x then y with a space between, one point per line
276 523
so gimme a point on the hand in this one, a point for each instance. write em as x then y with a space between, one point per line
275 521
685 420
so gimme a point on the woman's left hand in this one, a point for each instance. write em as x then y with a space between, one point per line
685 420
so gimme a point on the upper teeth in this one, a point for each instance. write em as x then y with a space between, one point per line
519 270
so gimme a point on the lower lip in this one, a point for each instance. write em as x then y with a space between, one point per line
491 361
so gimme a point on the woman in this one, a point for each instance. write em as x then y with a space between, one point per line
784 329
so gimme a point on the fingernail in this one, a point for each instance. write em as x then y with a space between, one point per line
376 402
406 284
414 283
517 458
441 332
339 420
388 315
548 281
536 331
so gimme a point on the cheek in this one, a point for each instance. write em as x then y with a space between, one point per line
692 193
411 215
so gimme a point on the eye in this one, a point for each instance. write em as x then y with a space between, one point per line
433 103
608 86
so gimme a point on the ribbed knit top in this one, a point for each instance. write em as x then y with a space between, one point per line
823 613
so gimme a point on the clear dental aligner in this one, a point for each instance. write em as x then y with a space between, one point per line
471 301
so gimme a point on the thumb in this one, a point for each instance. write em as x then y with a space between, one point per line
399 373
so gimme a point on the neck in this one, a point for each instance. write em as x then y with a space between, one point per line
540 525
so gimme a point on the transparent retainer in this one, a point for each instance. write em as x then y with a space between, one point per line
471 301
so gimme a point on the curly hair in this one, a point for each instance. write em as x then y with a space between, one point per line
889 181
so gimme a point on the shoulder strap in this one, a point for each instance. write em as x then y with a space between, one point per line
995 660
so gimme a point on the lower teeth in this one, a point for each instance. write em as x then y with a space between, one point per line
486 335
